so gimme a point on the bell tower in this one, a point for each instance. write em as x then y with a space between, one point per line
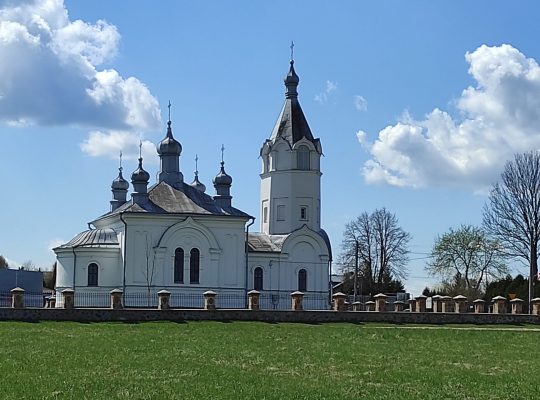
291 176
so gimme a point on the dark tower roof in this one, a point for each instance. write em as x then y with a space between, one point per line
120 183
292 124
222 178
140 175
169 145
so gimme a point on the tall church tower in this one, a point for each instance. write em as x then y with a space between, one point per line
291 176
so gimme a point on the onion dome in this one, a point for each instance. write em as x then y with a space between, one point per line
140 175
222 179
198 184
169 145
120 183
291 82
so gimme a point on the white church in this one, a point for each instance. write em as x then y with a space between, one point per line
175 236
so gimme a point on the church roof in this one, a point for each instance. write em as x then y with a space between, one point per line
165 199
93 238
291 124
261 242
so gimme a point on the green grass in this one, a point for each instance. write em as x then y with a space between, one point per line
242 360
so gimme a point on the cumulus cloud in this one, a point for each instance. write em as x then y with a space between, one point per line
499 116
360 103
50 75
323 96
110 144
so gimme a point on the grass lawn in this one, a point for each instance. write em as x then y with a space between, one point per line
247 360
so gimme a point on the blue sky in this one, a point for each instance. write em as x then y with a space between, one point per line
417 105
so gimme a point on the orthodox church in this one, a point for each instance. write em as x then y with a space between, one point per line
175 236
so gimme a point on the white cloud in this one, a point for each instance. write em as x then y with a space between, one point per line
49 73
55 243
109 144
12 263
323 96
360 103
499 116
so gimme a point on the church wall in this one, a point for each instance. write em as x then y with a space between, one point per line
109 268
220 242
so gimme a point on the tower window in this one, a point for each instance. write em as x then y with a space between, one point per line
302 158
267 163
281 213
179 265
92 274
303 213
302 280
265 214
258 279
194 265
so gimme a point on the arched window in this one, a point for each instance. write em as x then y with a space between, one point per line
179 265
302 280
194 261
258 279
92 274
302 158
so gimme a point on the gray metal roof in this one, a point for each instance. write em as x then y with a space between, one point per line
93 238
291 124
165 199
261 242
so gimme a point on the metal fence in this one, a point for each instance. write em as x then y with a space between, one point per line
181 300
30 299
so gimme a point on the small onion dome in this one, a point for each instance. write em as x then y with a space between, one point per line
198 184
140 175
291 77
169 145
120 183
222 179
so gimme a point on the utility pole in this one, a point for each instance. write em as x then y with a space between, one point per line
355 268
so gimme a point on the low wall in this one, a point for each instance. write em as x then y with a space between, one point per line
313 317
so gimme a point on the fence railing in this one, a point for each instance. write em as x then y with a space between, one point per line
34 300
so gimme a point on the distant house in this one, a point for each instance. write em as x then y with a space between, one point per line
30 281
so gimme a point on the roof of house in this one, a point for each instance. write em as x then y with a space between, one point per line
93 238
165 199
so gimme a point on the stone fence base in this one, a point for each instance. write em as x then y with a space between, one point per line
141 315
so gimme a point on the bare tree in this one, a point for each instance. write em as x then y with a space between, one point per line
512 213
466 257
378 246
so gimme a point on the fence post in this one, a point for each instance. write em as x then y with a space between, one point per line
399 306
68 296
164 297
536 305
380 302
357 306
479 306
460 304
297 301
412 304
517 305
17 297
116 299
499 305
52 301
421 303
253 299
339 301
209 300
436 303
